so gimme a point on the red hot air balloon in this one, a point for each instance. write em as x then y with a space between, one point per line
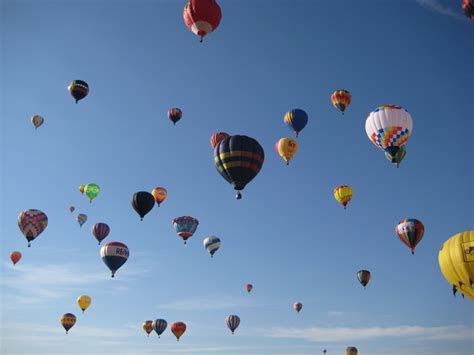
178 329
217 137
202 16
15 257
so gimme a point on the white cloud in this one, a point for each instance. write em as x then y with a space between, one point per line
344 334
206 303
437 6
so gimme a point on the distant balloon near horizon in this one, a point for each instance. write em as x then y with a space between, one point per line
91 190
185 227
232 321
286 148
249 287
67 321
32 223
238 159
72 209
78 89
81 218
15 257
175 114
114 255
159 194
142 202
178 329
298 306
212 244
341 99
84 302
410 231
389 127
217 137
202 16
147 326
468 8
456 262
296 120
343 194
37 121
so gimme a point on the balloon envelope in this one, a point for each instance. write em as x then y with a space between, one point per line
81 219
32 223
159 194
142 203
100 231
114 255
343 194
341 99
84 302
217 137
232 322
68 320
78 89
178 329
37 120
287 148
202 16
91 191
212 244
148 326
456 261
249 287
468 8
297 306
364 277
15 257
296 120
185 226
410 231
159 325
351 350
175 114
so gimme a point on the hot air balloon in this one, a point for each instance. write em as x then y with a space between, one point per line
78 89
15 257
287 148
351 350
296 120
389 127
232 322
364 277
32 223
37 121
159 194
202 16
456 261
343 194
84 302
175 114
114 255
100 231
81 219
72 209
68 320
468 8
341 99
178 329
325 351
81 188
142 203
217 137
398 157
185 226
212 243
238 159
249 287
297 306
410 231
91 191
148 326
159 325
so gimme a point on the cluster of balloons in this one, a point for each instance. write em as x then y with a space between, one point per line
68 320
90 190
158 325
144 201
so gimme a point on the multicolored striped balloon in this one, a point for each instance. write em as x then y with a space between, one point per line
175 114
185 226
341 99
212 244
32 223
159 325
410 231
68 320
217 137
100 231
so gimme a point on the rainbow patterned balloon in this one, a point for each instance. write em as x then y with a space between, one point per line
32 223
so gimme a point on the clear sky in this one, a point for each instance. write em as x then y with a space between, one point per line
287 236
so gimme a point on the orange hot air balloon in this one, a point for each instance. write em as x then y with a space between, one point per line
15 257
178 329
159 194
341 99
217 137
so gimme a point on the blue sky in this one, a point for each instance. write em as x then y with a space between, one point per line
287 236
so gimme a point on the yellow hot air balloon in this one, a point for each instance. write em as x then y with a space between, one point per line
84 302
456 261
287 148
343 194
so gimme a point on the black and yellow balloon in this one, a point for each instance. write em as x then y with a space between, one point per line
456 261
68 320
